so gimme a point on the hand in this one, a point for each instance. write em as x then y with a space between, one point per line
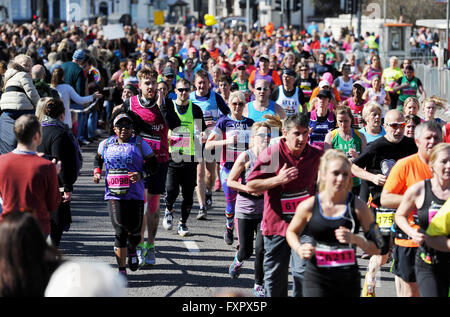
343 235
57 165
98 95
97 177
159 99
306 251
203 137
418 237
67 196
379 179
286 175
352 152
134 177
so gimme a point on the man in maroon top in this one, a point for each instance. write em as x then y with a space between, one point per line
286 172
27 180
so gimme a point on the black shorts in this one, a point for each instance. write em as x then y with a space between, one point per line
403 263
156 184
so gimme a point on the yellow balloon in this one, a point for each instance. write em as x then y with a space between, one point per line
210 22
208 16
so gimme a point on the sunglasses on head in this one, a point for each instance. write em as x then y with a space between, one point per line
183 89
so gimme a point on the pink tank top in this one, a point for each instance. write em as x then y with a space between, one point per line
158 139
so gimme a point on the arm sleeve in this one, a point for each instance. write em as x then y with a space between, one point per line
53 199
170 116
222 105
198 114
30 89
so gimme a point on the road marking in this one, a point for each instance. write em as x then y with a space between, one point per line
191 246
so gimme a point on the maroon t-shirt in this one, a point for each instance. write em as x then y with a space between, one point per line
29 182
280 202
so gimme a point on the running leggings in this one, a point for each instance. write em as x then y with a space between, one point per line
126 217
432 280
184 175
230 197
247 229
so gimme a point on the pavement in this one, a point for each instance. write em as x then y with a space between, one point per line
189 267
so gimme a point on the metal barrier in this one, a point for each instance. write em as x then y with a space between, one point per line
436 81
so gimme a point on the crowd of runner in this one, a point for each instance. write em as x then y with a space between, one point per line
316 155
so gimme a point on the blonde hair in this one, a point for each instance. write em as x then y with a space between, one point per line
22 60
440 147
370 107
254 130
236 94
413 100
438 102
327 157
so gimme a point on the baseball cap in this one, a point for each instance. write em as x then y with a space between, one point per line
79 55
265 57
289 72
324 83
168 71
239 64
120 117
324 93
359 83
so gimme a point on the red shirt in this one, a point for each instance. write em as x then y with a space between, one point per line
29 182
273 222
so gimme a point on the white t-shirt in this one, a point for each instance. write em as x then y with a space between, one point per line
67 94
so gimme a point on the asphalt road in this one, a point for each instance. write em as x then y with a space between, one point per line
191 267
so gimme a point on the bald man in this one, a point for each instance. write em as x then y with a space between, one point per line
374 165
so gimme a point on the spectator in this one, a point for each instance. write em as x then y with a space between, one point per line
29 181
26 260
20 97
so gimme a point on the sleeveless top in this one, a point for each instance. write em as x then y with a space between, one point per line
357 112
430 207
322 228
345 88
157 138
371 73
355 142
209 106
320 129
249 206
290 105
256 115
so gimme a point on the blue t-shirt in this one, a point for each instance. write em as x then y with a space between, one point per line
369 137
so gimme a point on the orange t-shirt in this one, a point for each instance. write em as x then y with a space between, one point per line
405 173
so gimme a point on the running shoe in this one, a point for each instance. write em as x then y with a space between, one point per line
235 268
208 200
202 213
167 221
368 288
133 262
183 230
228 236
150 258
258 291
141 252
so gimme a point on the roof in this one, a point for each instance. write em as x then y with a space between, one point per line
434 24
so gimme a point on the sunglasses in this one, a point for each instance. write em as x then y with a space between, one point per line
263 135
304 69
124 125
396 125
241 68
183 89
240 104
262 88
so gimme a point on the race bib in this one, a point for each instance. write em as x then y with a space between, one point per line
180 141
385 219
290 201
329 257
432 211
118 181
153 141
